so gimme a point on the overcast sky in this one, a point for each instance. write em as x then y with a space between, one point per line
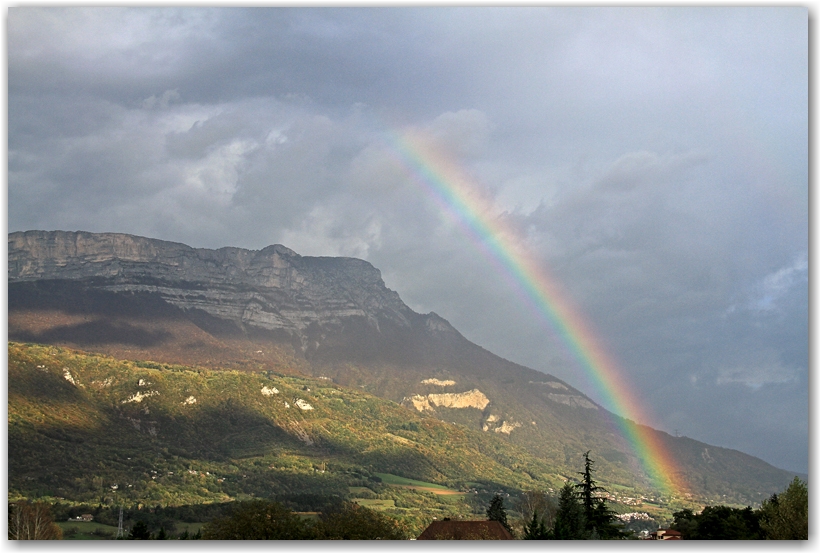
655 160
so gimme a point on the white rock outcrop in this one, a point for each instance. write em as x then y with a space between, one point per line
269 391
437 382
490 420
507 427
67 376
418 402
102 383
303 405
139 396
474 398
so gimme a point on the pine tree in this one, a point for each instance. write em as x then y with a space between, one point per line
587 489
599 519
605 523
570 522
536 529
140 531
496 511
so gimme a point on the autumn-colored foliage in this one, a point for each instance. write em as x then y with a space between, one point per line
32 521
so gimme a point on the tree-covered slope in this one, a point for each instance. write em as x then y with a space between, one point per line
86 427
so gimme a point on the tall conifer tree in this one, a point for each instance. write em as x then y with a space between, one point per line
536 529
570 522
599 519
496 511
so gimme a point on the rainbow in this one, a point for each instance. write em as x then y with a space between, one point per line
472 209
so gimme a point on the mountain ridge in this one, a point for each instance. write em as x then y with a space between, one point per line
326 317
127 260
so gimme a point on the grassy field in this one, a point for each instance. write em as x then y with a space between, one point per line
419 485
376 504
401 481
87 531
450 496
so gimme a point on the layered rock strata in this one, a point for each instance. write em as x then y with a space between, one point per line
272 289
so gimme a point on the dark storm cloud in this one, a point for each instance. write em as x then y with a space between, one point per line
333 56
654 160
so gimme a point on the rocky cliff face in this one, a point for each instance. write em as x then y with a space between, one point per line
271 289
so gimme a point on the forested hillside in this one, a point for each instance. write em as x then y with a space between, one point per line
94 429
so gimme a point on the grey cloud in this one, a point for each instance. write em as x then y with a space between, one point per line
464 132
119 51
654 160
757 373
777 284
161 102
644 168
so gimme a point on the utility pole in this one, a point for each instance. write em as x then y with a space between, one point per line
119 528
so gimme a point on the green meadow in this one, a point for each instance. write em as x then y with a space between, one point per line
87 530
401 481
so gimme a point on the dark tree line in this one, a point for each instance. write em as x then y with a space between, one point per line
583 514
580 513
269 520
781 517
140 531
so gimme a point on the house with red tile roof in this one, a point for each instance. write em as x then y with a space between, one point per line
665 534
465 530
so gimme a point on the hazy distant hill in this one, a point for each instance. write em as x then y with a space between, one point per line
142 299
